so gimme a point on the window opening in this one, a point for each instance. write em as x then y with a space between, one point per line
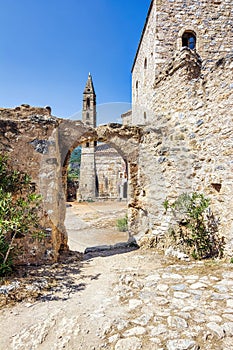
189 40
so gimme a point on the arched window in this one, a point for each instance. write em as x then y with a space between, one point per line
88 102
189 40
144 115
88 115
137 84
145 63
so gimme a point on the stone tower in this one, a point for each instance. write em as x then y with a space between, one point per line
87 184
203 27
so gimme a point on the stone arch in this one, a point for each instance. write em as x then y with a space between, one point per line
46 153
125 139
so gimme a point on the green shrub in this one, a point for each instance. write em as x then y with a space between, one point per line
197 229
18 212
122 224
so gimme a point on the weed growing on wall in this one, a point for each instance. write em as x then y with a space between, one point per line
197 230
18 212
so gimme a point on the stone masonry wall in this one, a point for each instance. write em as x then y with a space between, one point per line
210 20
189 145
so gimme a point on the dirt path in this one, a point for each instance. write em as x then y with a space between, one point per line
71 321
93 224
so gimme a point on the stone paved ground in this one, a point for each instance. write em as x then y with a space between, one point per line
119 300
128 301
178 306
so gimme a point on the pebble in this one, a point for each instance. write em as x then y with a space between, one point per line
160 329
134 303
198 285
230 303
129 344
134 331
176 322
181 344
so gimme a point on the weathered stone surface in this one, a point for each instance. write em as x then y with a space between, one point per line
129 344
181 344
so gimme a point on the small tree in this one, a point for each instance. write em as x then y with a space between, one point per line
18 212
197 231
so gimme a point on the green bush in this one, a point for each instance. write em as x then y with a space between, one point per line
122 224
18 212
197 229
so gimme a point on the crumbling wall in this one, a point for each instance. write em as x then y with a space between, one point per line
40 145
28 136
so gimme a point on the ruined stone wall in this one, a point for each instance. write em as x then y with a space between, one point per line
210 20
40 145
29 136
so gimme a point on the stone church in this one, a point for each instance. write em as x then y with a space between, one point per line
103 172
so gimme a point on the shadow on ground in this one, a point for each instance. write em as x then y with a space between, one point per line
109 250
58 281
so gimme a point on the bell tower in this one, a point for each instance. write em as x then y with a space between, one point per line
87 183
89 103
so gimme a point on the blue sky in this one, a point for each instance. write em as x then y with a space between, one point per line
47 48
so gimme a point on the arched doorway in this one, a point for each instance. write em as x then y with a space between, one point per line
126 144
